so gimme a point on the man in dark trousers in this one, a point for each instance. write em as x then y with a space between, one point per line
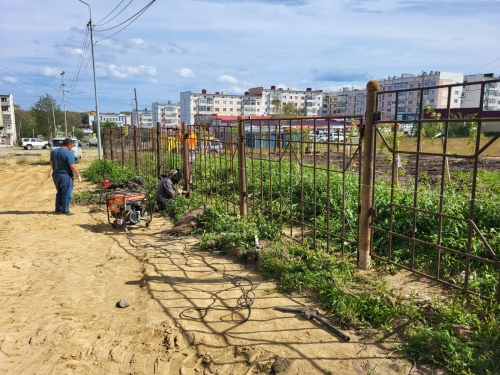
166 189
62 163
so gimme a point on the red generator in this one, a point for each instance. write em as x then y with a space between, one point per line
127 208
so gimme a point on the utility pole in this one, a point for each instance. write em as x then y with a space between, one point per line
136 108
64 101
99 148
53 116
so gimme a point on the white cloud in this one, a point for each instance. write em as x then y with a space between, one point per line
155 81
237 90
226 79
50 72
184 72
10 80
126 71
138 42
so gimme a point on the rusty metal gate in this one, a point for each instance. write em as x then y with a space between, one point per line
434 212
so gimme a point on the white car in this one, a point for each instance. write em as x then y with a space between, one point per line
29 143
77 147
337 138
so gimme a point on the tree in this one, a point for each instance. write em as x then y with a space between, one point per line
78 133
25 122
43 115
287 109
109 124
277 107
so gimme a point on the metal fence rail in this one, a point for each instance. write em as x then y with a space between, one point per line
394 201
425 222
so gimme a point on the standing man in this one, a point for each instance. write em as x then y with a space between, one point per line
62 163
166 189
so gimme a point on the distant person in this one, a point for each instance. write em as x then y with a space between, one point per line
62 163
166 189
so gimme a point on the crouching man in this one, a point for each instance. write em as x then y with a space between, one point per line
166 189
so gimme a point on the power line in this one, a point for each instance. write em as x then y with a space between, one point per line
135 15
112 12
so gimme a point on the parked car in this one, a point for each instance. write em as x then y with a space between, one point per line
77 147
29 143
93 142
214 145
337 138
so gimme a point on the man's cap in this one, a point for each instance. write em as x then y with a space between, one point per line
173 171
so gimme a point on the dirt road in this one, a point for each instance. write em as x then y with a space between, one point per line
61 277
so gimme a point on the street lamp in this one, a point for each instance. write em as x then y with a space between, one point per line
95 85
64 101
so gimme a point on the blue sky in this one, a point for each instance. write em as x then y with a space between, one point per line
232 45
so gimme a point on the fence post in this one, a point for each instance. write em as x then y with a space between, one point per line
111 146
136 148
104 147
366 202
122 142
158 148
242 172
185 157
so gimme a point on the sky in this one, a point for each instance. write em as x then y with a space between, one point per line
232 45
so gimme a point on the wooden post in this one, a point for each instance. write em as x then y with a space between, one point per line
366 204
104 147
111 144
185 157
136 148
242 172
122 142
158 148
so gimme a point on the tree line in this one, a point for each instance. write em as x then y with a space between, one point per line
39 119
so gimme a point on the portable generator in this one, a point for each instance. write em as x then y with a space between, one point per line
127 208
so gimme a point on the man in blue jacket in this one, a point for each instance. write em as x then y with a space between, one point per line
62 163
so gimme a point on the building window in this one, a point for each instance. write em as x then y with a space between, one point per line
455 100
224 102
216 109
231 102
223 109
456 93
216 102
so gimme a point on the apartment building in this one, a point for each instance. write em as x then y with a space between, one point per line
142 118
349 102
119 119
346 102
167 114
472 94
310 99
7 121
206 104
257 101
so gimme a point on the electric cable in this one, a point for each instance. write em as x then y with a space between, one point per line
128 19
100 24
244 301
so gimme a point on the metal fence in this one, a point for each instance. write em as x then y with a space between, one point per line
293 171
392 199
424 220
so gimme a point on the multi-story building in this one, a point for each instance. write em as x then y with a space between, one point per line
7 121
257 101
308 98
118 119
472 94
167 114
144 120
348 102
208 104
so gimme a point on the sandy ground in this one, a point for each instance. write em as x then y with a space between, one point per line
61 277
